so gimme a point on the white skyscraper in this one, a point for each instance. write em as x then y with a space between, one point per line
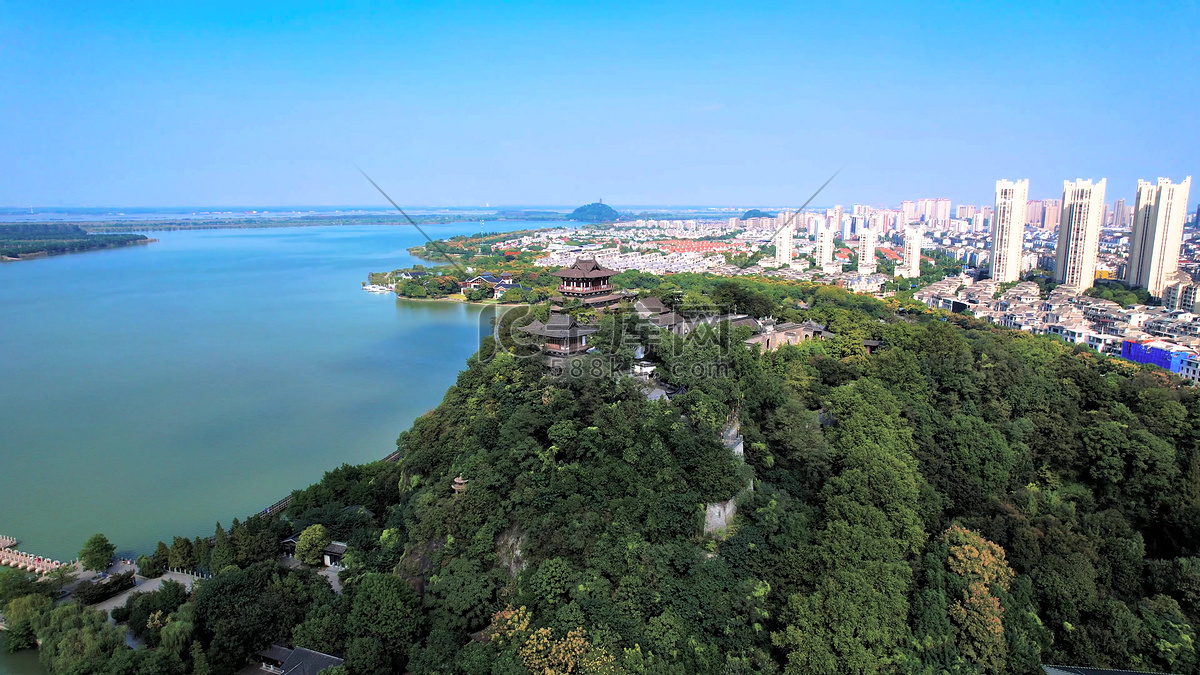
835 220
1079 233
1158 218
824 246
783 242
1008 229
866 252
911 263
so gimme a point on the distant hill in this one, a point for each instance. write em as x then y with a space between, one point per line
755 213
595 213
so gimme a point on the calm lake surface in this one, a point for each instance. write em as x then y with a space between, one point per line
154 390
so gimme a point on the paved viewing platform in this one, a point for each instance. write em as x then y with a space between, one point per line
28 562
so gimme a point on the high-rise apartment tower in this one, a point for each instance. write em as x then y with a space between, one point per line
1158 218
866 252
1008 229
1079 233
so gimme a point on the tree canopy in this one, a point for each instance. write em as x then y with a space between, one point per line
97 553
963 499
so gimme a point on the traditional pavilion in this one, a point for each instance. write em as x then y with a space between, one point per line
587 282
560 337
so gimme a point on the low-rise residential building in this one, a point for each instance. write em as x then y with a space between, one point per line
1166 355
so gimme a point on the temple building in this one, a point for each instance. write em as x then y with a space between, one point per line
775 335
587 282
560 338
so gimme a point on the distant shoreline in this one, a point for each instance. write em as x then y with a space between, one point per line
103 227
46 254
464 301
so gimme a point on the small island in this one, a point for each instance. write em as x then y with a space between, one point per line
32 240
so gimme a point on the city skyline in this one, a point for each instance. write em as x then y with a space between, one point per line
471 104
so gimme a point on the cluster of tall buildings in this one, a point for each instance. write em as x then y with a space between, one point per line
1157 217
1070 229
929 211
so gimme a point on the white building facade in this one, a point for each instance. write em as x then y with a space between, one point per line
1079 233
1159 213
1008 229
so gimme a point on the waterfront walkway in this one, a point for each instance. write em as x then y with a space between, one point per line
28 562
144 585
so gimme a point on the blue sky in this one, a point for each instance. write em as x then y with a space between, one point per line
130 104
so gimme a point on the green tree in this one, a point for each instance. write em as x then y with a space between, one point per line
97 553
310 546
15 584
854 618
386 611
75 640
203 553
223 554
161 557
181 555
20 616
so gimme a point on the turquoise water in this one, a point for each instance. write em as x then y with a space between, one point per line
151 391
22 663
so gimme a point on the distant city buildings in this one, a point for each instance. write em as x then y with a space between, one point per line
1035 212
1079 239
835 222
1079 233
825 251
1008 229
1159 212
911 262
866 252
1051 214
783 242
1120 215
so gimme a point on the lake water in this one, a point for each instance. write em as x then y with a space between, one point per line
151 391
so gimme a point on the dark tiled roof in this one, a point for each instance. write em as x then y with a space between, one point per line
669 319
307 662
653 305
584 268
276 653
559 325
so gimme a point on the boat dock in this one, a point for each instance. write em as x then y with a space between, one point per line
28 562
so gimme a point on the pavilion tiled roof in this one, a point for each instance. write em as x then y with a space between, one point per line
584 268
559 326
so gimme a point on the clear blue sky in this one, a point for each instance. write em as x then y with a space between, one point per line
156 104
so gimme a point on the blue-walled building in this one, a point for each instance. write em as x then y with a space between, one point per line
1160 353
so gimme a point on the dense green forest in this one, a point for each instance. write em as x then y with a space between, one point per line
967 499
23 240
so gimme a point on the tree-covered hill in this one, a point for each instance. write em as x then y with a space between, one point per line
755 213
966 499
596 212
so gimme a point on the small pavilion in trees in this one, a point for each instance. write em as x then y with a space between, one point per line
561 337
